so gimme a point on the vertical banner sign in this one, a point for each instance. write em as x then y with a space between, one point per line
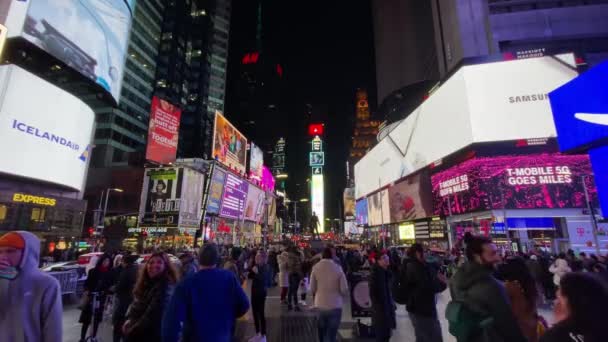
160 198
229 145
317 190
216 190
191 201
163 132
318 199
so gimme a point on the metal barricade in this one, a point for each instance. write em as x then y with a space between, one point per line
68 280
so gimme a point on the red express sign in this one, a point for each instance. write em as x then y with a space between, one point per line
513 182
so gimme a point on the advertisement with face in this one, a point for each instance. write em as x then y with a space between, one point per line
234 198
160 198
254 208
362 212
256 162
379 208
272 209
349 202
229 145
89 36
513 182
216 190
53 132
190 210
163 132
410 199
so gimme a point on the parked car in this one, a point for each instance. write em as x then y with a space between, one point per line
66 266
89 260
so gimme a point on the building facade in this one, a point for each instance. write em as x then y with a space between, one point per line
365 131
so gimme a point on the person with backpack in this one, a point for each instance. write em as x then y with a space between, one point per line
480 309
422 283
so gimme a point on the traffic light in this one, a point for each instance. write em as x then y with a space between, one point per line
90 231
315 129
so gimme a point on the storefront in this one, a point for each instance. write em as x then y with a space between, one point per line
142 239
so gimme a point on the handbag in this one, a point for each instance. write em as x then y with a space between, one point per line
84 301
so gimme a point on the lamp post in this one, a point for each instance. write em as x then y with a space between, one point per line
105 206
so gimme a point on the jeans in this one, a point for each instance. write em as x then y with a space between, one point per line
427 328
329 322
258 303
294 283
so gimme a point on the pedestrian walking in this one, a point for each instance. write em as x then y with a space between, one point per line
294 268
283 275
328 287
560 268
383 306
30 300
260 276
96 288
423 282
123 292
580 310
234 264
480 308
205 305
151 296
189 265
523 296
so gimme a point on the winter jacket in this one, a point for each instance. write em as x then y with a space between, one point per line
474 284
566 331
124 292
422 286
328 285
260 280
559 269
383 306
205 307
31 308
283 272
294 263
524 311
145 313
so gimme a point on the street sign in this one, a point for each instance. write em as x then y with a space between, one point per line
317 158
580 110
317 144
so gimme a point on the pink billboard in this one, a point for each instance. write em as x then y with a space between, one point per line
267 181
513 182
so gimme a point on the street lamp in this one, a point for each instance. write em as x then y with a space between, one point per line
105 206
282 176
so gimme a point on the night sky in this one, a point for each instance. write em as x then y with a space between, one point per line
326 50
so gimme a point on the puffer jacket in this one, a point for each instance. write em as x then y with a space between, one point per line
294 263
474 284
283 272
145 314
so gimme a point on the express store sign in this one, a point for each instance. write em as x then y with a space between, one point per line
513 182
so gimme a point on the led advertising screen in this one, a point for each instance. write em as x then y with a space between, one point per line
318 199
317 158
411 199
89 36
379 208
160 197
229 145
349 202
53 130
513 182
163 132
216 190
362 210
256 162
254 208
406 231
190 209
272 209
268 181
235 195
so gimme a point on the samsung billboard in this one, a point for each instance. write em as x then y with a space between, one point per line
89 36
53 132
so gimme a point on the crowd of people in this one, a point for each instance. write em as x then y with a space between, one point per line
494 297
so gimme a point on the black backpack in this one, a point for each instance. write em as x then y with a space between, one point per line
400 285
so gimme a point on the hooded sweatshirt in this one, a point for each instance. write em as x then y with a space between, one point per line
31 303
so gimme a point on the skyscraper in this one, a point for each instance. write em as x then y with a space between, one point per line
365 132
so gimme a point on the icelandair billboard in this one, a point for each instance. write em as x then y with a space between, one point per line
47 138
480 103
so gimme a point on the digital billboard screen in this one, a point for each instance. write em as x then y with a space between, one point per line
229 145
513 182
254 207
318 198
411 199
160 198
362 210
216 190
190 208
349 202
90 36
235 195
256 162
52 131
379 208
163 132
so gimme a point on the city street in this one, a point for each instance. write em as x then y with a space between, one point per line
288 326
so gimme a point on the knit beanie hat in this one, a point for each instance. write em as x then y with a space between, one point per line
12 239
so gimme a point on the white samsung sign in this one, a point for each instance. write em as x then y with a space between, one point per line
45 132
479 103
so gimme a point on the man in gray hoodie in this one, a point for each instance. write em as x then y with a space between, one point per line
29 298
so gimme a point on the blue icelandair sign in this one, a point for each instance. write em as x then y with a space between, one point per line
49 136
580 112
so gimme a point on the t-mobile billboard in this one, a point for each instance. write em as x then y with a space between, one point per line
513 182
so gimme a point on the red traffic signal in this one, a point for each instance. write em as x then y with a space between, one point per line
91 231
315 129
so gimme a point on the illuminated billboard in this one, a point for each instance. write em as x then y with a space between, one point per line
349 202
163 131
160 197
254 205
318 199
229 145
256 162
378 208
52 131
90 37
411 198
362 210
407 231
513 182
317 158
